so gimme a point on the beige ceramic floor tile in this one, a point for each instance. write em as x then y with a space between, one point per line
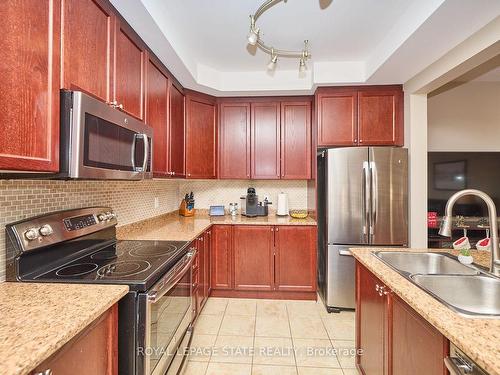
302 309
272 308
268 326
195 368
215 306
345 353
215 368
318 371
233 349
246 307
201 347
351 372
273 351
340 330
234 325
208 324
308 327
273 370
315 353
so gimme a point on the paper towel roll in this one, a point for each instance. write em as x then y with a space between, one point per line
282 209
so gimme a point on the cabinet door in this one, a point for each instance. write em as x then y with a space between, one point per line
201 272
207 237
417 347
87 47
265 137
129 71
177 159
200 137
253 247
234 140
157 117
372 323
337 117
94 351
296 140
221 277
295 258
30 72
381 117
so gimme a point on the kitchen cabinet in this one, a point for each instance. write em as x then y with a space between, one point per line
296 160
295 268
130 58
221 257
87 47
207 239
417 347
359 116
30 66
201 137
93 351
176 131
394 338
265 147
253 249
234 140
157 117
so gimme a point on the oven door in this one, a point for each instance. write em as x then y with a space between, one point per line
167 321
105 143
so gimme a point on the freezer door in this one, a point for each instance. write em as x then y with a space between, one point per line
340 278
348 189
389 196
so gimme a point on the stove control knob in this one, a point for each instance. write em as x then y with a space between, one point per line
46 230
102 216
31 234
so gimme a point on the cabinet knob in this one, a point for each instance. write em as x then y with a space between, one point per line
189 174
272 229
355 140
277 229
360 141
120 106
46 372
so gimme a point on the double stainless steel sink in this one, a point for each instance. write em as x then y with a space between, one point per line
466 289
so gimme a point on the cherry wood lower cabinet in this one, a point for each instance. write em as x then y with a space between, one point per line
394 339
93 351
221 257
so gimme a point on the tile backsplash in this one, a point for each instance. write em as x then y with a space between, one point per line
131 200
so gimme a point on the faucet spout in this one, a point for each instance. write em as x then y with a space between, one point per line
446 225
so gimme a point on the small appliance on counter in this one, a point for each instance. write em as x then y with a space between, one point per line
282 209
187 205
250 205
216 211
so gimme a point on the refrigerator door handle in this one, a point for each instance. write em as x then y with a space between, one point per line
374 195
366 198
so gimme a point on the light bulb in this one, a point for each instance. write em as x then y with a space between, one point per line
302 65
253 36
272 63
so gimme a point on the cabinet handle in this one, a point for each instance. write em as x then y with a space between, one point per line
46 372
120 106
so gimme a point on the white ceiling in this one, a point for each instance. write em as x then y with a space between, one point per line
203 42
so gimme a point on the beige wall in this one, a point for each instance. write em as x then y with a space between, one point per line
465 118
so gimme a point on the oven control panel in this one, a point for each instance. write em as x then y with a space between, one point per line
79 222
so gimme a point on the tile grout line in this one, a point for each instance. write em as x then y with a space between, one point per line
291 339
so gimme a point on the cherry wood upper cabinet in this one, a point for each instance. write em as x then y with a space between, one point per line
130 57
201 138
221 256
380 116
87 47
30 66
296 140
265 128
417 347
253 257
337 116
295 258
234 140
176 132
372 320
157 116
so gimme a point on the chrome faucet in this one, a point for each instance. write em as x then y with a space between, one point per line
447 223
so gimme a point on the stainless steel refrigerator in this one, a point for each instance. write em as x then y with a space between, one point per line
362 201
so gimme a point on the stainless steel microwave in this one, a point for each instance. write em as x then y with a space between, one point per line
100 142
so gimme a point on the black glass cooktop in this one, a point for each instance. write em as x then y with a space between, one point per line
135 263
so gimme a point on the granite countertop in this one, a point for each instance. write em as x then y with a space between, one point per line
37 319
173 227
479 338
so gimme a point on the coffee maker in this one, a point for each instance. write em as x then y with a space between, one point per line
250 205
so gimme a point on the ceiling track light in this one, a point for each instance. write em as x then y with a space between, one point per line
254 39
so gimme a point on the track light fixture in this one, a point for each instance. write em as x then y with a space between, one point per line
254 39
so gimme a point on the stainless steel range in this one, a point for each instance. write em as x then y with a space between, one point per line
80 246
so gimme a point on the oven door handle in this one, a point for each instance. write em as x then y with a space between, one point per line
165 285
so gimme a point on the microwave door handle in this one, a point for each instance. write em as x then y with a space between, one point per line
146 153
133 152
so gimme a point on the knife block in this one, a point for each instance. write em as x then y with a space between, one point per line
184 210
